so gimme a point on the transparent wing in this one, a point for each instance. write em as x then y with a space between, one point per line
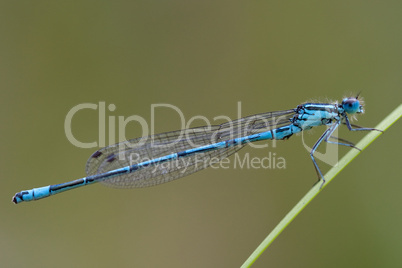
142 149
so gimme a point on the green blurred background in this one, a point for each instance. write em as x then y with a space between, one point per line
203 57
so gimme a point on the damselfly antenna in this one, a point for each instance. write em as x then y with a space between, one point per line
358 95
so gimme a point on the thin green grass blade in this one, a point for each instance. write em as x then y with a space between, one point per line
369 138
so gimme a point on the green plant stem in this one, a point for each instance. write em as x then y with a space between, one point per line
369 138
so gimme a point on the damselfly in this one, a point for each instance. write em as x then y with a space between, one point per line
159 158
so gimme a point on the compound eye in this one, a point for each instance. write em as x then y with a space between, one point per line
351 105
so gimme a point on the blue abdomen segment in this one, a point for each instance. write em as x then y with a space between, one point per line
42 192
34 194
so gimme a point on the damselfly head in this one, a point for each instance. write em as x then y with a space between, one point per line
352 105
